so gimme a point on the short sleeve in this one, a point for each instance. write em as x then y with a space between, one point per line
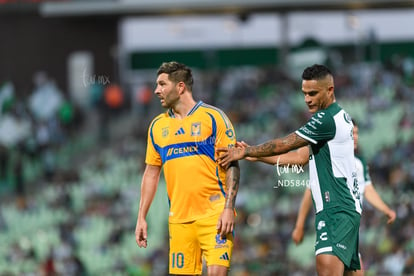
226 137
153 156
320 127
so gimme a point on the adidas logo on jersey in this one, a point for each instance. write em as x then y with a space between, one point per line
225 256
180 131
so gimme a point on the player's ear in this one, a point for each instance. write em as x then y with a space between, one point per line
181 87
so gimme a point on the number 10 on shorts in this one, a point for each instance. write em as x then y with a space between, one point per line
177 260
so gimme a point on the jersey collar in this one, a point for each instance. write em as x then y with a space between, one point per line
171 113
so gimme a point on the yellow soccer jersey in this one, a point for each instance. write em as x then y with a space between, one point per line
186 148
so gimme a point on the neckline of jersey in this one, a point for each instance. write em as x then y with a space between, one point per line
192 110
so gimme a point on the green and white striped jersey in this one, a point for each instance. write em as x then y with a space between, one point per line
332 169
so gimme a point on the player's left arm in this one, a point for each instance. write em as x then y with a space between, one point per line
226 223
374 198
226 138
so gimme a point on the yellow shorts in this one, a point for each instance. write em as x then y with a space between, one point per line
190 242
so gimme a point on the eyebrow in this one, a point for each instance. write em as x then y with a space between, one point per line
308 92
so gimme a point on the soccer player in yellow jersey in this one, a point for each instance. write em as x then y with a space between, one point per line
201 193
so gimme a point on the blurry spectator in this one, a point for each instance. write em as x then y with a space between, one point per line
394 262
142 103
15 130
113 102
70 119
48 267
143 97
45 99
6 96
114 97
96 91
98 105
66 114
44 104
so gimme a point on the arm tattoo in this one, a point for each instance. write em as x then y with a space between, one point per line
276 146
232 182
294 141
265 149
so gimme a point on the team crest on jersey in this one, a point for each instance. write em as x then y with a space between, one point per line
196 129
164 132
347 118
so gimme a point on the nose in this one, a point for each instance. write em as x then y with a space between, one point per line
307 99
157 90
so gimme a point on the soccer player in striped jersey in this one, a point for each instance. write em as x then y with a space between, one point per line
201 193
332 172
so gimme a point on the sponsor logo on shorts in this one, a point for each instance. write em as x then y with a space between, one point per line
221 243
220 240
339 245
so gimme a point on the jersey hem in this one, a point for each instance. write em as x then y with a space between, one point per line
194 218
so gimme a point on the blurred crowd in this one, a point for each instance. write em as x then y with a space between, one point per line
79 219
31 128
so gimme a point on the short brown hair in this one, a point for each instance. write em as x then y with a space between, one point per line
177 72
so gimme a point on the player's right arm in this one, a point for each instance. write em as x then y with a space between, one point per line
149 185
298 231
297 157
272 147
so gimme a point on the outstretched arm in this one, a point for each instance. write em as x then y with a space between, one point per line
298 231
374 198
149 185
270 148
298 157
226 222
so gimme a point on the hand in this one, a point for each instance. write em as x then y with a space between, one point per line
226 222
244 145
391 216
297 235
141 233
228 155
